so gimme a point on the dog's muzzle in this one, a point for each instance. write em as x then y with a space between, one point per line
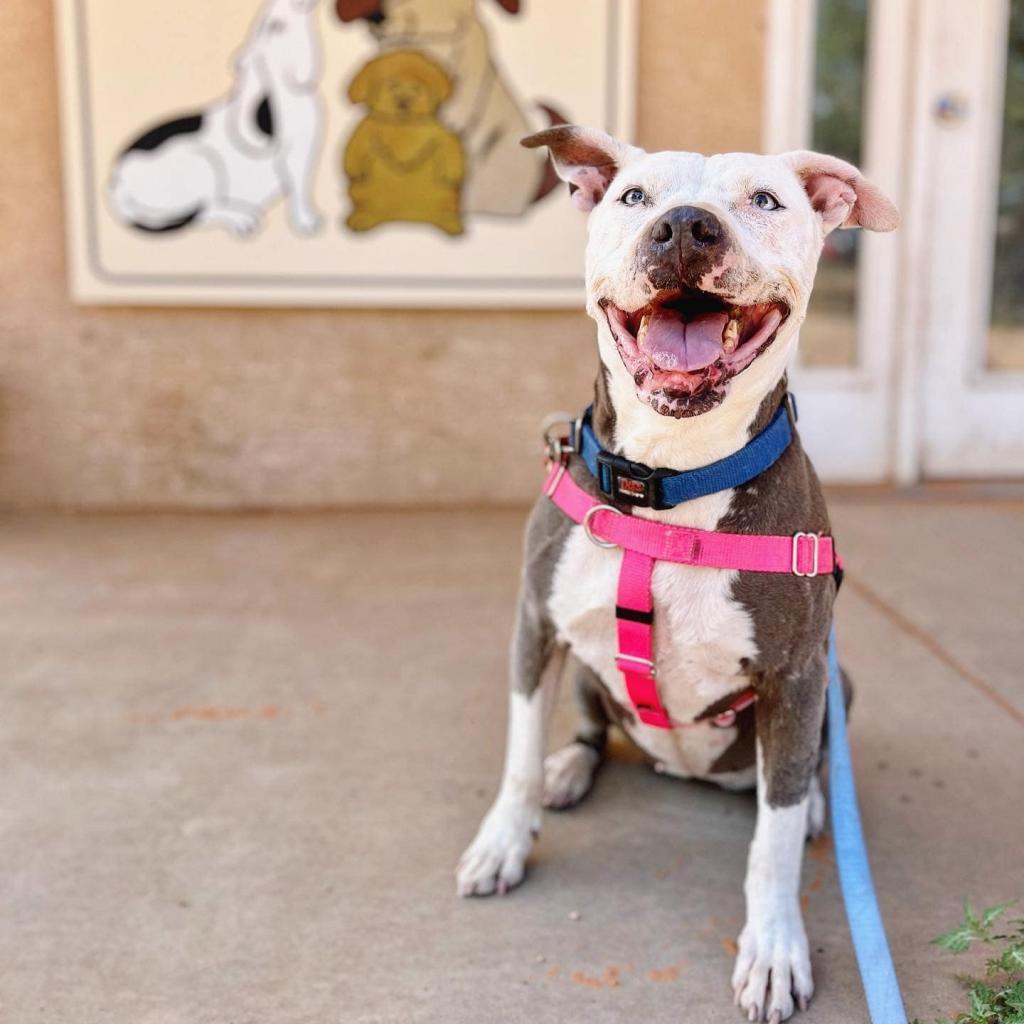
683 245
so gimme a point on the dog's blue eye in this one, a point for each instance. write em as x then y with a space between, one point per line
632 197
765 201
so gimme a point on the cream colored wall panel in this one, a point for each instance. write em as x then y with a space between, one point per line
147 407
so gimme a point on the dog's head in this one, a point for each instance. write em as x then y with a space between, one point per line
282 31
699 268
401 84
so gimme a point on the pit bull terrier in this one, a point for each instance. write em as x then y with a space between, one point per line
698 274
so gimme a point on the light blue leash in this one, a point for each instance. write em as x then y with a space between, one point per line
881 989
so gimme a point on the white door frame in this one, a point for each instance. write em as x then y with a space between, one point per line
971 419
848 418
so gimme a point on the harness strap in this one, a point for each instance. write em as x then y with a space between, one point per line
634 617
802 554
643 543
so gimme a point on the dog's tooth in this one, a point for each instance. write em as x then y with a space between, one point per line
731 335
642 329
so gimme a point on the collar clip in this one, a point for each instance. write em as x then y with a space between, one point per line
631 483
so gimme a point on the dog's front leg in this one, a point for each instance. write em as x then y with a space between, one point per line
296 164
773 964
496 859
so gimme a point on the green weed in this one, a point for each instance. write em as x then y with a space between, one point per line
998 998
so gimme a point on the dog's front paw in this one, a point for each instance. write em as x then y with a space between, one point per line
568 775
496 859
305 221
241 223
773 966
361 220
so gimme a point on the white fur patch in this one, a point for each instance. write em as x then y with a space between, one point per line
773 963
496 859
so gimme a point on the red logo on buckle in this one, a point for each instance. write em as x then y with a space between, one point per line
632 488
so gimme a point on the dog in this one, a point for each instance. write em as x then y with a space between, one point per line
226 165
683 248
501 177
401 162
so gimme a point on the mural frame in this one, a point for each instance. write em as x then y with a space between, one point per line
91 282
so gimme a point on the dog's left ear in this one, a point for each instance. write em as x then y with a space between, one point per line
588 159
360 86
840 195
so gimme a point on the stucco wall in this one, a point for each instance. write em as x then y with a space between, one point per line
157 407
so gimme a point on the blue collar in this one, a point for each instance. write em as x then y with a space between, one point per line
633 483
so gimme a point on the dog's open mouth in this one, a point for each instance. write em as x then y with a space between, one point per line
684 348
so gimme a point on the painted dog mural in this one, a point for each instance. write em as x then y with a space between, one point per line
228 164
502 178
439 142
402 163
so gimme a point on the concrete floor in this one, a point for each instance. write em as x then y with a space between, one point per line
243 753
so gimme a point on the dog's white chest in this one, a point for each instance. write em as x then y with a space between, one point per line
700 636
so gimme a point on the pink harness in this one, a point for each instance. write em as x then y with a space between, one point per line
644 543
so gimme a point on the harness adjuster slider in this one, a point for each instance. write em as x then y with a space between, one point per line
815 553
556 479
727 718
634 659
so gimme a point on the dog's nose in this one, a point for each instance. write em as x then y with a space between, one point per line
687 226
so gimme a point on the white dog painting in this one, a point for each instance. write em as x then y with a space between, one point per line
228 164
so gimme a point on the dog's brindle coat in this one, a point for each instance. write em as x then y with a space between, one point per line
701 232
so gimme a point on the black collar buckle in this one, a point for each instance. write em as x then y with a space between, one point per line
631 483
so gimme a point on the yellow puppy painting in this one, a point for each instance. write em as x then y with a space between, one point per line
402 163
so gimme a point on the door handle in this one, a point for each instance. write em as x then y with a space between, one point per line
952 109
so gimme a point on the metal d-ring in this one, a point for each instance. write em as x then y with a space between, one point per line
590 533
556 447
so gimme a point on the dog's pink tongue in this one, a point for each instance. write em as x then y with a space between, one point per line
675 344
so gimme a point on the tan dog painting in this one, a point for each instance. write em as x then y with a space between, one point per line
402 163
502 178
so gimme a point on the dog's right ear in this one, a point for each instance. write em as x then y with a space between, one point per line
840 195
586 158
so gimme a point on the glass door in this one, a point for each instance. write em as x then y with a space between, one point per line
969 236
837 81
